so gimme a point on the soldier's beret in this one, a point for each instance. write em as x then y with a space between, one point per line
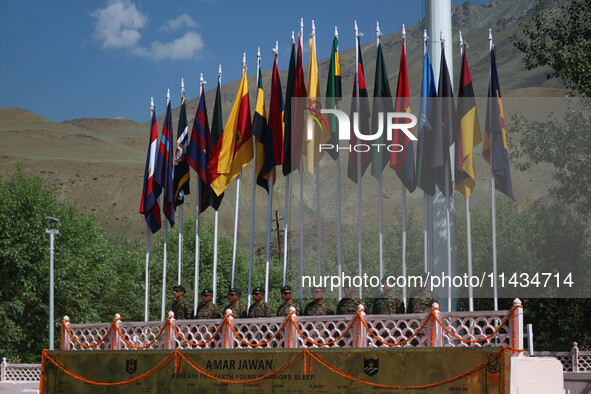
286 288
235 290
258 290
207 290
179 288
318 288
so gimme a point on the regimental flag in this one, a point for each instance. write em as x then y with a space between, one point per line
320 134
443 126
494 146
274 156
181 168
149 205
217 130
163 173
403 162
260 131
363 119
426 135
297 115
333 95
199 150
236 151
469 132
287 166
382 104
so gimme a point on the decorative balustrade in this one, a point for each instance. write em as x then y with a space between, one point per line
573 361
434 329
19 372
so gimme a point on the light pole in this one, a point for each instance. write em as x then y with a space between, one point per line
51 230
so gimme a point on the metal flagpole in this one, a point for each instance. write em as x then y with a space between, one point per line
163 311
301 39
380 191
237 206
338 164
359 225
197 220
252 209
426 197
404 289
492 196
286 210
318 218
180 263
147 285
468 220
215 228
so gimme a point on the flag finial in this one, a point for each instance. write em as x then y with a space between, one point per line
243 61
403 32
336 32
201 80
152 103
292 37
168 96
276 49
183 85
313 28
490 40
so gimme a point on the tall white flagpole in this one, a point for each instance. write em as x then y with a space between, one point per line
180 262
468 220
147 285
492 197
254 185
197 220
318 217
286 210
301 40
380 191
163 314
357 104
338 164
215 228
426 197
404 289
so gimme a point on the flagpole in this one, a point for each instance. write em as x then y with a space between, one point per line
359 225
215 227
318 218
147 284
404 289
162 315
301 40
197 220
426 197
468 220
493 202
380 191
254 184
286 209
237 205
338 164
180 262
270 206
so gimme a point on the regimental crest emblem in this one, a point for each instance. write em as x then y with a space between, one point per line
131 366
370 366
180 152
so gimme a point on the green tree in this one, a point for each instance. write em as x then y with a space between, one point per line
94 272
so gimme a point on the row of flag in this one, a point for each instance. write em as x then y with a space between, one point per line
219 154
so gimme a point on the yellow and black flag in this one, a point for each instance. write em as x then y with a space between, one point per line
468 135
260 131
333 94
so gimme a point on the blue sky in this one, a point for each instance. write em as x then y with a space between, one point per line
104 59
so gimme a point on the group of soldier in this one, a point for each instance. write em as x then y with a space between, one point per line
389 302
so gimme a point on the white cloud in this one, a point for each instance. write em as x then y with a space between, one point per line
179 23
184 47
118 24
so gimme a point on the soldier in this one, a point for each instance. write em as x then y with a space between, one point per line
259 308
422 299
390 302
348 304
237 307
207 309
318 306
288 302
181 308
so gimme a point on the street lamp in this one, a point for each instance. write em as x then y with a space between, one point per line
51 230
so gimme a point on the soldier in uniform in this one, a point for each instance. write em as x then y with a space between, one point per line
207 309
259 308
422 299
288 302
348 304
390 302
237 307
181 308
318 306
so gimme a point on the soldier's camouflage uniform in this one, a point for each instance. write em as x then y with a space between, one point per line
260 309
388 304
348 306
322 308
182 309
283 310
209 311
238 310
421 301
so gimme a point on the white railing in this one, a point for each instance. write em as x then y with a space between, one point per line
573 361
434 329
19 372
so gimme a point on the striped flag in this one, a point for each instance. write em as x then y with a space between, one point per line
333 94
426 135
181 168
149 205
163 173
261 132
